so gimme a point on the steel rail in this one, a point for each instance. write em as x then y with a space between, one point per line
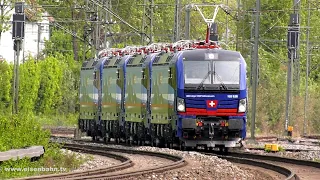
60 130
276 159
281 170
253 159
125 163
287 150
316 136
105 173
244 158
178 162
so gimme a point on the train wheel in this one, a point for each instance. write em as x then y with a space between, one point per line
152 143
181 146
107 138
165 144
158 142
169 145
224 150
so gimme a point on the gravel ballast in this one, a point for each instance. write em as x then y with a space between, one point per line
91 161
309 152
199 166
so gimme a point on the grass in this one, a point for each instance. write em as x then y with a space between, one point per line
69 120
54 159
20 131
281 149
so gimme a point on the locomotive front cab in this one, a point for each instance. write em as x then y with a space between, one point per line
211 101
87 98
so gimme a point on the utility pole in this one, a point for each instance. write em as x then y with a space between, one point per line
18 37
252 56
91 17
97 32
176 29
147 22
238 24
255 69
307 71
97 27
293 53
227 25
296 72
187 21
108 25
38 43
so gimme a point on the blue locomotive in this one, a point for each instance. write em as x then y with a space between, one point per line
192 95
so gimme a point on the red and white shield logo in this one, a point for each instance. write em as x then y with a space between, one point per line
211 103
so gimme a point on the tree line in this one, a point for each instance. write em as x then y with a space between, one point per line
52 84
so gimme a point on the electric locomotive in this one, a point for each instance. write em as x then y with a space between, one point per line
88 97
211 99
189 93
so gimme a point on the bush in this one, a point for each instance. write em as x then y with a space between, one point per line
18 131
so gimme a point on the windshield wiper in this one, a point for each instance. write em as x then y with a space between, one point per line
221 82
204 79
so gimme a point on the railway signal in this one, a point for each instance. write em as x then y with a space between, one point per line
18 37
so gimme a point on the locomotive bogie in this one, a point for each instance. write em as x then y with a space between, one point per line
212 129
236 142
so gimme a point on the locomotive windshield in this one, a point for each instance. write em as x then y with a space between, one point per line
195 71
229 72
212 73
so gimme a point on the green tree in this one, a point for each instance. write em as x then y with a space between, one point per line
5 87
49 95
6 7
29 86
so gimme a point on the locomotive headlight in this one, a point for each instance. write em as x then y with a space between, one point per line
180 105
242 106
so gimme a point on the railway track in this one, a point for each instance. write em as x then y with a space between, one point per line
254 163
312 136
292 169
114 172
125 163
286 168
60 130
305 140
288 150
177 162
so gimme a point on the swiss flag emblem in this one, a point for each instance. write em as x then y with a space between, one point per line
212 103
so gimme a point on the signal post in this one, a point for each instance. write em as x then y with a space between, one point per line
18 24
